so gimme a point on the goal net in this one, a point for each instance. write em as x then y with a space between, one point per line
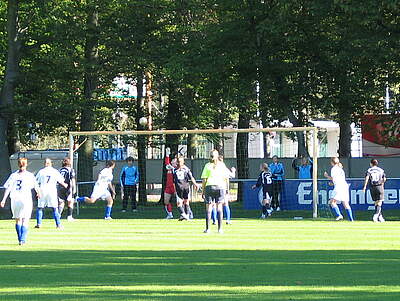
295 150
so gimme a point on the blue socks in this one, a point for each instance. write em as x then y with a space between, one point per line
214 215
107 212
81 199
56 217
24 232
18 229
227 212
336 211
39 216
350 214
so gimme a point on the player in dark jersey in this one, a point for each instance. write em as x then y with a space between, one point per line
376 178
182 178
66 194
265 181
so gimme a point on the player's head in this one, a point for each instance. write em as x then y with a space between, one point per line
66 162
47 162
110 164
275 159
304 161
374 162
22 163
264 167
214 156
181 161
129 161
221 158
335 161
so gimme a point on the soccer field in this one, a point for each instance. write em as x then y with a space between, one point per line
154 259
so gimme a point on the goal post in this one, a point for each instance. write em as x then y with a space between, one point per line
226 140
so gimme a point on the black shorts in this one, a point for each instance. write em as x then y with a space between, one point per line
214 194
64 194
130 192
267 194
182 193
276 186
377 193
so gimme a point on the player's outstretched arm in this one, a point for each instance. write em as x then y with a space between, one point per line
365 183
203 186
112 190
3 201
294 164
326 175
73 186
197 186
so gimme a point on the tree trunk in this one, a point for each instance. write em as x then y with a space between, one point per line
301 141
345 130
8 91
191 146
91 80
242 153
142 140
172 122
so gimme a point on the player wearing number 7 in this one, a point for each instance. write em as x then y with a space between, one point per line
47 178
19 186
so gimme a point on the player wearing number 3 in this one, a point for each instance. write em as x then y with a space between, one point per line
48 178
19 186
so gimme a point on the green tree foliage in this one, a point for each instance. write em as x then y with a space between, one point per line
212 63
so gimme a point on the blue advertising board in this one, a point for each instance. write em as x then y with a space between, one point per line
297 195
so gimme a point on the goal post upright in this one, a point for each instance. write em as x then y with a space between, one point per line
315 172
71 148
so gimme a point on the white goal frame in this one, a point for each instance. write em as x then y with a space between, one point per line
314 130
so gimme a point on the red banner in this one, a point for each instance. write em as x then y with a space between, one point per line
381 135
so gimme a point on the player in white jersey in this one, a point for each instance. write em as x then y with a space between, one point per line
48 178
340 193
19 186
103 189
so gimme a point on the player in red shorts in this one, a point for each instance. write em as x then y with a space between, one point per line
170 164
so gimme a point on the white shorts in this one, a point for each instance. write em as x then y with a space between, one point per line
100 193
48 200
21 209
340 194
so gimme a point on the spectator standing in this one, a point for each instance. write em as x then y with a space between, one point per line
278 174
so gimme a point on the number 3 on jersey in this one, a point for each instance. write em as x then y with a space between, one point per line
18 185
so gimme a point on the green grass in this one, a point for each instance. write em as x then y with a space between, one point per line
154 259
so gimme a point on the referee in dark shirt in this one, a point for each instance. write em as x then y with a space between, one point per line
376 178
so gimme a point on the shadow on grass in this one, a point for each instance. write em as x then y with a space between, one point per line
199 274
